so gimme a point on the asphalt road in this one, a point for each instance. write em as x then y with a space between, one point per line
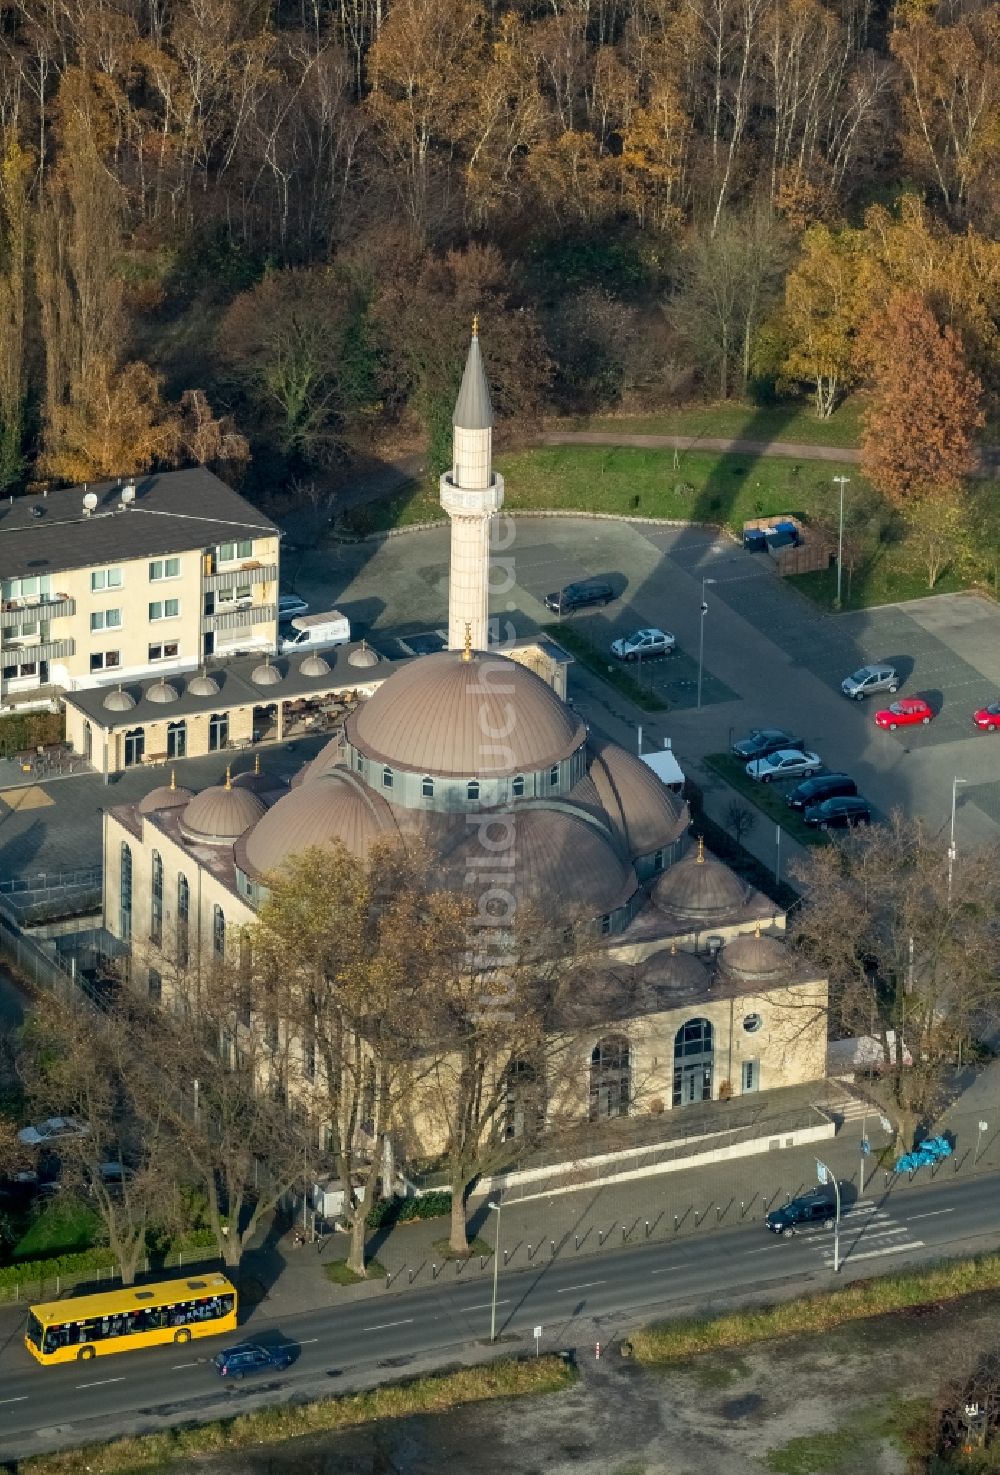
44 1408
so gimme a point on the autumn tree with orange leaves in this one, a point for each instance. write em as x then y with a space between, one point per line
918 432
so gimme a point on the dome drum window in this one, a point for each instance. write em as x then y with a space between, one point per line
472 789
517 787
427 788
387 777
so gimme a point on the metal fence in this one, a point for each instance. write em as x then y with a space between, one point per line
53 895
39 966
40 1287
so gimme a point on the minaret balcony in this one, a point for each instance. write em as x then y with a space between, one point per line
471 500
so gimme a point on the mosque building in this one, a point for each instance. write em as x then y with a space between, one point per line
699 997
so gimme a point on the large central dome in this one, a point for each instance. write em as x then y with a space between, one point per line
465 715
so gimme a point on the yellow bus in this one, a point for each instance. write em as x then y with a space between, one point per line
136 1316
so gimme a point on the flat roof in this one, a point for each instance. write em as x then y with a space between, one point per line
235 687
173 511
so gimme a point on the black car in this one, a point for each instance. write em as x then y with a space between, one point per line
579 596
817 1207
842 813
824 786
761 741
249 1358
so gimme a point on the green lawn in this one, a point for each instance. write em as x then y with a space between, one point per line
770 798
795 422
63 1226
884 581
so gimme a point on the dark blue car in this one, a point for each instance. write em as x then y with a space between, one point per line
249 1358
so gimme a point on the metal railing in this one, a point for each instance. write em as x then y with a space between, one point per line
62 894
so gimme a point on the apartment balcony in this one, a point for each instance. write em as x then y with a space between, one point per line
18 612
44 650
247 573
240 616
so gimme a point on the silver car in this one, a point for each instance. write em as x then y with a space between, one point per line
868 680
786 763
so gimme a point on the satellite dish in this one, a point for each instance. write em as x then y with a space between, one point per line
90 502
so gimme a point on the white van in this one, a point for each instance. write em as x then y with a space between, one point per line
307 632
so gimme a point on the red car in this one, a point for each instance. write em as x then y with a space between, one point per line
905 713
988 717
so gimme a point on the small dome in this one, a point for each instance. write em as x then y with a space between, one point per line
161 691
221 814
314 665
265 674
165 796
335 808
643 810
465 714
119 701
203 686
256 781
754 957
674 968
699 889
363 656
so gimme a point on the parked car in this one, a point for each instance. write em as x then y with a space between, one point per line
842 812
249 1358
53 1129
290 605
988 717
907 712
823 786
785 763
819 1206
579 596
643 645
763 740
869 679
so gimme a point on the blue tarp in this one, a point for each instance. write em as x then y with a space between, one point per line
926 1153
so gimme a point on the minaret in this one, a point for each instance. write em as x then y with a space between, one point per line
471 494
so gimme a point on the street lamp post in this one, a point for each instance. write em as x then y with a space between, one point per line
843 480
825 1176
951 843
496 1271
983 1127
701 636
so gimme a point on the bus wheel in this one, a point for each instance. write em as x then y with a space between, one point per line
183 1335
85 1354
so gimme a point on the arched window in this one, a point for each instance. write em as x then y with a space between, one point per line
154 982
693 1061
218 932
125 894
156 900
610 1078
246 953
387 777
517 787
522 1112
183 915
553 775
427 788
472 790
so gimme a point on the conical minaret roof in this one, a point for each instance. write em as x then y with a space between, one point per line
473 408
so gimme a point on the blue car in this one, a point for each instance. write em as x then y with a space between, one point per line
249 1358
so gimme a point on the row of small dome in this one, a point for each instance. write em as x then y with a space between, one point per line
750 955
264 674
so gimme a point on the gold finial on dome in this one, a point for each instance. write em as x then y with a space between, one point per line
699 859
673 949
467 652
756 930
173 779
229 777
475 325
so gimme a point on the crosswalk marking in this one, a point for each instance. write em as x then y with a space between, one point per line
912 1244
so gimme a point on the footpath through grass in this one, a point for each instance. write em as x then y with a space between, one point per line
673 1341
176 1449
770 798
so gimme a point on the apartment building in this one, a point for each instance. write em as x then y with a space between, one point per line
131 579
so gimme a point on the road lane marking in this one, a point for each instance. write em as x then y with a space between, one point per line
913 1244
22 1398
307 1341
685 1266
102 1382
179 1365
384 1326
566 1290
930 1213
483 1306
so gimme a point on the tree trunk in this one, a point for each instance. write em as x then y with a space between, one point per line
458 1238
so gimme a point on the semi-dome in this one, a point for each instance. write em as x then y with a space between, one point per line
465 714
335 808
331 755
752 956
699 889
165 796
203 685
674 968
119 701
265 674
648 815
363 656
566 863
221 814
162 692
314 665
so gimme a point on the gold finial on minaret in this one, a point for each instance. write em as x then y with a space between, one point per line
229 777
475 325
673 949
700 857
173 779
256 763
467 652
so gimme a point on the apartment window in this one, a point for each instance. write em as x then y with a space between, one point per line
165 568
155 986
218 731
106 619
230 552
105 660
125 894
26 668
105 578
26 628
218 931
164 650
183 913
33 588
156 901
164 609
234 596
